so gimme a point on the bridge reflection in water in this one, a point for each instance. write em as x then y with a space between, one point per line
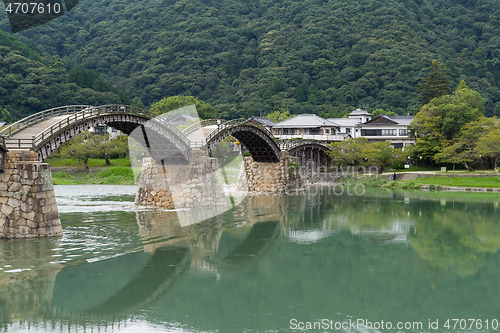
264 251
114 290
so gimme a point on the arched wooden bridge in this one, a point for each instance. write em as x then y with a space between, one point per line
45 131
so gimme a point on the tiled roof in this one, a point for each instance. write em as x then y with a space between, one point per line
305 121
394 120
351 122
264 121
359 112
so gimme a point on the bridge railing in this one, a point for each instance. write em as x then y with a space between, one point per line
199 124
77 114
94 111
38 117
22 144
223 126
290 144
3 154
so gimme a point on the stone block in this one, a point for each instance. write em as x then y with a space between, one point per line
6 209
16 214
15 187
25 181
29 215
26 208
31 224
14 202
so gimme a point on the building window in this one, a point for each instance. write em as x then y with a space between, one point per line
388 132
290 131
327 131
100 130
369 132
314 131
403 132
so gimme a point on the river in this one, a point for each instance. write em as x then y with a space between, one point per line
385 261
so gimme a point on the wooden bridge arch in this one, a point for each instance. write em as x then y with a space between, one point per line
163 140
257 139
313 155
45 131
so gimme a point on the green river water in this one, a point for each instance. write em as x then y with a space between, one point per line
315 262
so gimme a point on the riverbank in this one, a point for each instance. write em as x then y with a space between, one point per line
107 176
73 172
459 182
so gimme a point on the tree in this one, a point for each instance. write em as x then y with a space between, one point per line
381 154
118 147
462 107
84 146
205 110
436 83
278 116
439 121
5 115
488 145
381 111
348 152
463 149
359 152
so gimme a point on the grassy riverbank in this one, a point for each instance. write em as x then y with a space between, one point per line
487 182
92 162
110 176
428 182
117 173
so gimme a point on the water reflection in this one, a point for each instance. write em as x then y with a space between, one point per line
402 255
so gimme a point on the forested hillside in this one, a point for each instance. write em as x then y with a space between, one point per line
248 57
30 83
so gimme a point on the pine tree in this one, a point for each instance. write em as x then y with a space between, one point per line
436 83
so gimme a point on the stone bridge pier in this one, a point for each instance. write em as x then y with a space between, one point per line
261 177
27 201
194 185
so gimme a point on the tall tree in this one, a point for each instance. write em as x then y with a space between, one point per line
359 152
440 121
488 145
463 149
436 83
205 110
278 116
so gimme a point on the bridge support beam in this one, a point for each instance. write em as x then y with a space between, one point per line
27 201
260 177
195 185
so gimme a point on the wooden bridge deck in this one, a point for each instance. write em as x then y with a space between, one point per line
38 128
198 137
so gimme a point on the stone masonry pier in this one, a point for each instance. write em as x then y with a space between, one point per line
260 177
195 185
27 201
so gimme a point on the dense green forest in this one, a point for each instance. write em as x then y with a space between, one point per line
30 83
251 57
